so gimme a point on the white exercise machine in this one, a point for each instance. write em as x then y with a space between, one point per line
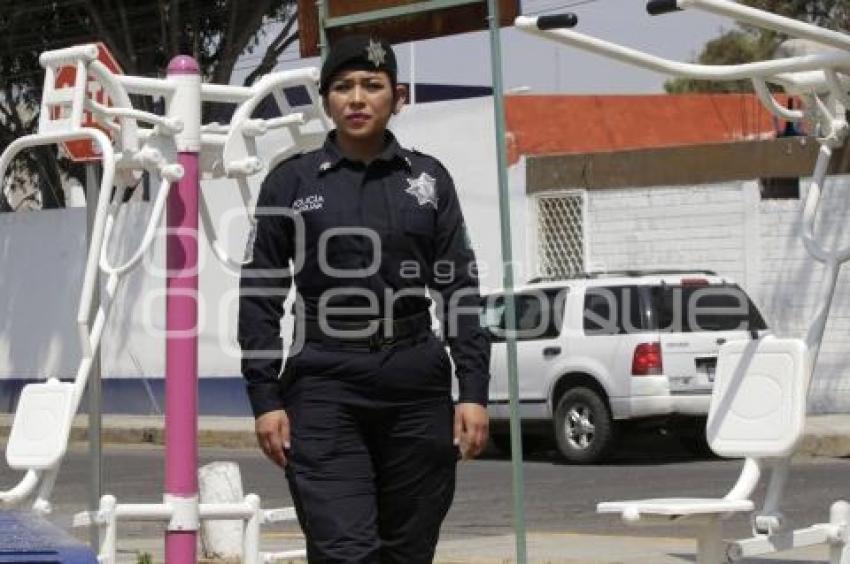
758 404
131 142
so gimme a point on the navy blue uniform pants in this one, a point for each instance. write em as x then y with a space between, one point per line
372 461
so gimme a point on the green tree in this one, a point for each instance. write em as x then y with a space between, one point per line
143 35
748 43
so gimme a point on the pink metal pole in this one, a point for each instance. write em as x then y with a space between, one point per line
181 372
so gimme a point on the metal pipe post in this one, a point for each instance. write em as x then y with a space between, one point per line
181 372
508 280
94 384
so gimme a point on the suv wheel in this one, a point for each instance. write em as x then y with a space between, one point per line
584 430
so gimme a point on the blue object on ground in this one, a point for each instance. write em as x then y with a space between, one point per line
25 537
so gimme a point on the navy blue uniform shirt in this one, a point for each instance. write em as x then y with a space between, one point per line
415 239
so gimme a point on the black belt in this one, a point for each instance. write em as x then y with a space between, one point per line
371 334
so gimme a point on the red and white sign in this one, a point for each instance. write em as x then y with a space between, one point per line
85 150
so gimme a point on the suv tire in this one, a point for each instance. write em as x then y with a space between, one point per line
584 431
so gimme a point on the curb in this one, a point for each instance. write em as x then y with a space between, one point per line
825 435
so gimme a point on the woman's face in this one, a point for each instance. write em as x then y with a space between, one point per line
360 103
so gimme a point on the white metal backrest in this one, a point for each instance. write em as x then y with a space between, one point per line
39 435
758 405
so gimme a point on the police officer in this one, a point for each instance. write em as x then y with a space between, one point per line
361 415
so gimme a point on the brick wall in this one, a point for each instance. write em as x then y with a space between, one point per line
729 229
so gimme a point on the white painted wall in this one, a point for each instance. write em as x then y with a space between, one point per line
461 135
42 254
721 227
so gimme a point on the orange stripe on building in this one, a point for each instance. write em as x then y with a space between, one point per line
545 125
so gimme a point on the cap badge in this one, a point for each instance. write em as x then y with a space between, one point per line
424 189
376 53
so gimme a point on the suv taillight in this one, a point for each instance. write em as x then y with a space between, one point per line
647 360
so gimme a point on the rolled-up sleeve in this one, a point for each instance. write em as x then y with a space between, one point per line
455 276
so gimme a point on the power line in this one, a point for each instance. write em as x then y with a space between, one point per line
559 7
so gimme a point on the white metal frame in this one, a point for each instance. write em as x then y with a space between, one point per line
821 80
142 141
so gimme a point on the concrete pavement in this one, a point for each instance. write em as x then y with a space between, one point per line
542 548
825 435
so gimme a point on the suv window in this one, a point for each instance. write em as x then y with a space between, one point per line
614 310
687 309
540 314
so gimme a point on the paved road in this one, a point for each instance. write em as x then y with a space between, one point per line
559 498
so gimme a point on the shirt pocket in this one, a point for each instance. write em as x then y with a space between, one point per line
420 222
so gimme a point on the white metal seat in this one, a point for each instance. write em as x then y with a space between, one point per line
758 409
675 506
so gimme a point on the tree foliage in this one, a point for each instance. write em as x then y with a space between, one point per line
747 43
143 35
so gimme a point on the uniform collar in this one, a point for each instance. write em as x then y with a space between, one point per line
332 156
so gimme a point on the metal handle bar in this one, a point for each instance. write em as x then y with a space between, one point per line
239 141
108 156
658 7
168 126
557 21
767 20
769 102
22 490
810 211
230 264
768 70
69 55
147 238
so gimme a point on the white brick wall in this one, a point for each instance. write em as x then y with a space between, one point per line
727 228
670 227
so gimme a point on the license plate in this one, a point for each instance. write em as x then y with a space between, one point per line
707 366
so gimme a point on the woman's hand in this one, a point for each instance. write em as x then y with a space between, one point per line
471 430
272 429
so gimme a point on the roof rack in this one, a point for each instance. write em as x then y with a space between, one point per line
634 273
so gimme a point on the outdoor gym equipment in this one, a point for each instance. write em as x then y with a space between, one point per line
758 404
176 149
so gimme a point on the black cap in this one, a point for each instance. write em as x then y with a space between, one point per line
358 52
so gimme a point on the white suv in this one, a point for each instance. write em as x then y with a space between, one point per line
604 349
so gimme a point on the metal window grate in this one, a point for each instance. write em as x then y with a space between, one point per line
560 235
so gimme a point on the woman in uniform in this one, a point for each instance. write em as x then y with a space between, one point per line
360 415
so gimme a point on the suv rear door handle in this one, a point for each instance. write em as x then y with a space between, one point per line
721 341
551 351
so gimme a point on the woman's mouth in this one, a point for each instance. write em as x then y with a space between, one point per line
357 119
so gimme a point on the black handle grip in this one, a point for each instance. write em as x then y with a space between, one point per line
658 7
556 21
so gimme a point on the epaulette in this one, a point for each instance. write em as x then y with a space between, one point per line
292 157
288 159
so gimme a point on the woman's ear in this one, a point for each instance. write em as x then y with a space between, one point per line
400 97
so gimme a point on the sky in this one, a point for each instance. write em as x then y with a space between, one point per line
547 67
